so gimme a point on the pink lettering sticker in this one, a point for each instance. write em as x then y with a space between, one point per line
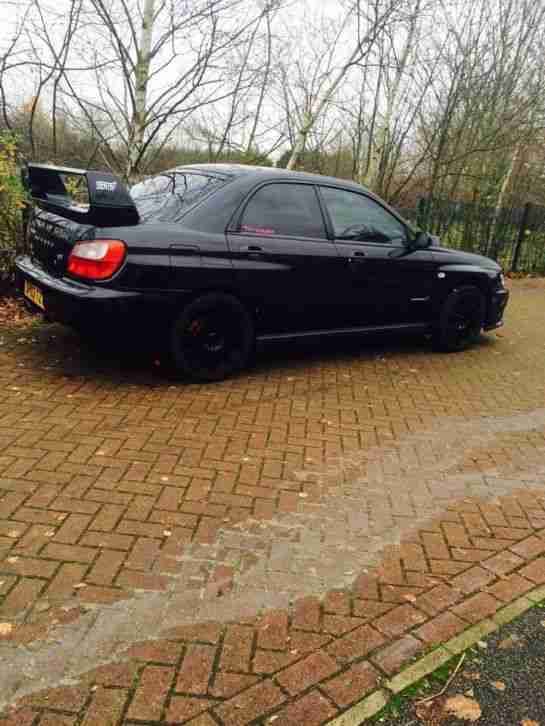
253 229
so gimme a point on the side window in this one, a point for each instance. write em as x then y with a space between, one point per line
359 218
166 196
284 209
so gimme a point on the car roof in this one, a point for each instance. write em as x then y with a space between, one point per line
238 170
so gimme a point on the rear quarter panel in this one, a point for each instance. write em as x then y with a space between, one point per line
171 257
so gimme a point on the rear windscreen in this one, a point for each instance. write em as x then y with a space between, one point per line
167 196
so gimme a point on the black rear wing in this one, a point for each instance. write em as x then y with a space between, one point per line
110 204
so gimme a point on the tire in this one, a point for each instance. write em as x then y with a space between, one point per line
461 319
212 338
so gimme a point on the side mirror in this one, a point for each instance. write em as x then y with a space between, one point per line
421 242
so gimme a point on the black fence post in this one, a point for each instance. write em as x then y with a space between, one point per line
422 212
521 236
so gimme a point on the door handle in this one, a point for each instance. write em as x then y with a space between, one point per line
357 256
253 250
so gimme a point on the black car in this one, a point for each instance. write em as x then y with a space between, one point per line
224 256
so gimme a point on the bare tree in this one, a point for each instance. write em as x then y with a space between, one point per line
313 79
489 94
146 67
380 116
442 94
238 124
12 57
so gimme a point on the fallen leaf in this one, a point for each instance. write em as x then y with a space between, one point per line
5 629
466 709
499 685
431 712
529 722
471 676
512 641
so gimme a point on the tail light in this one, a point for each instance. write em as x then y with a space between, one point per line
96 259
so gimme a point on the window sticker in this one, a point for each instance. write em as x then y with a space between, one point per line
253 229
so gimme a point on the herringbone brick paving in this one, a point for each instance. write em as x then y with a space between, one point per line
130 504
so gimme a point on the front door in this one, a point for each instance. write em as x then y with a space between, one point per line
284 262
386 282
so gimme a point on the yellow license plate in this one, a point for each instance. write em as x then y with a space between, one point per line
35 294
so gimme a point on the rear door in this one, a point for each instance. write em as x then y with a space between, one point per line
385 281
284 261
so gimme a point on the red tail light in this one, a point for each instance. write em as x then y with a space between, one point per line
96 259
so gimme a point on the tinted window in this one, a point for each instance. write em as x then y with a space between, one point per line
357 217
166 196
284 209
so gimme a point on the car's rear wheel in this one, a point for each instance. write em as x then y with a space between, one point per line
212 338
461 319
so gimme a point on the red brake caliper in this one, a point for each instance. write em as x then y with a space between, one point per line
195 328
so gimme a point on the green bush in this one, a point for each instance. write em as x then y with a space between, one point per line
12 204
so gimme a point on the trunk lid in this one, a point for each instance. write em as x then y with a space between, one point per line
51 239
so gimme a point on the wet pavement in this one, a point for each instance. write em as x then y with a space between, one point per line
132 504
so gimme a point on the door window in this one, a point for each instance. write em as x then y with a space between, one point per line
284 210
359 218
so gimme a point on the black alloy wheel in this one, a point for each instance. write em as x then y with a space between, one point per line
212 338
461 319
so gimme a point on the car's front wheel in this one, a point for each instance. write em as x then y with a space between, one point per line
461 319
212 338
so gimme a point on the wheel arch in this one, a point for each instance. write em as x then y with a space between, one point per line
451 277
180 299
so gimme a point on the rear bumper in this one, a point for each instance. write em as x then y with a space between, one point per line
496 309
68 301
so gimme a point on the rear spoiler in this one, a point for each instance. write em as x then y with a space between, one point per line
110 204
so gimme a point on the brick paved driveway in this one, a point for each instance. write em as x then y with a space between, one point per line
189 541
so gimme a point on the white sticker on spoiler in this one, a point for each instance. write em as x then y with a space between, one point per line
103 186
